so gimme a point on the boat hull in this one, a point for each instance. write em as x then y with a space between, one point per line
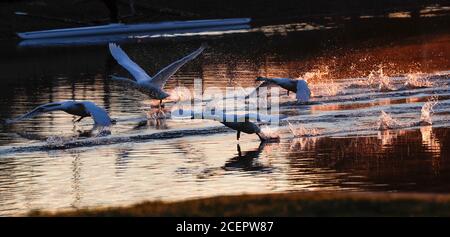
129 28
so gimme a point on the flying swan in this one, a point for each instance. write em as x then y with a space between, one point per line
152 86
239 122
299 87
78 108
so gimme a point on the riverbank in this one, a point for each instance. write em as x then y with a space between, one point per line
21 16
283 204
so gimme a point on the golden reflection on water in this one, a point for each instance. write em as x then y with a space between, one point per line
187 168
432 143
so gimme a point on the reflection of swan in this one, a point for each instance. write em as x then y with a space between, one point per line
152 86
300 87
246 161
79 108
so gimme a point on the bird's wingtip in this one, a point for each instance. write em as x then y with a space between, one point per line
6 121
112 45
260 78
282 116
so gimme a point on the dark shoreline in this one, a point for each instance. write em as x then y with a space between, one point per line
48 14
283 204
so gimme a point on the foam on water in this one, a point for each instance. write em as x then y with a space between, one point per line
58 141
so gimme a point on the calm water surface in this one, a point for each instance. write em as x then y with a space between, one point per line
336 144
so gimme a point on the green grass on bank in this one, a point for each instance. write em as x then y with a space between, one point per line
285 204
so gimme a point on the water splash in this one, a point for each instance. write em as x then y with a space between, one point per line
332 89
300 131
318 74
327 88
303 143
102 131
377 78
180 94
427 111
157 114
386 122
417 80
270 134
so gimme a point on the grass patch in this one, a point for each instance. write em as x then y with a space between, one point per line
283 204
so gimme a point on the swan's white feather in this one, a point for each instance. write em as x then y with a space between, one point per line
162 76
303 92
122 58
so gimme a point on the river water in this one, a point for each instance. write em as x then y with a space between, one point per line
364 74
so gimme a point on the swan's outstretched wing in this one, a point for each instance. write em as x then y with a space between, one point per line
99 115
122 58
125 81
255 92
38 110
303 93
257 117
162 76
283 82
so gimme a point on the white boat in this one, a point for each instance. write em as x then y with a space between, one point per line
132 37
129 28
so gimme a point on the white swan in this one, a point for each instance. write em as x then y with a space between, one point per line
299 87
152 86
79 108
240 122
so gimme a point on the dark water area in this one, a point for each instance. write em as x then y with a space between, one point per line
357 69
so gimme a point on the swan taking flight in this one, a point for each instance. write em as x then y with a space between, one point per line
152 86
239 122
299 87
79 108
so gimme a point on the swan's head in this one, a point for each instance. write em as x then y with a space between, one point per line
261 78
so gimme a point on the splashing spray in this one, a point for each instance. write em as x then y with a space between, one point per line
417 80
378 78
386 122
318 74
427 111
301 131
270 134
